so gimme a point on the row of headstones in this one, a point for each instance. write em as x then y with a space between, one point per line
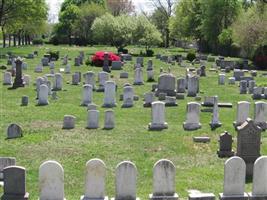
51 181
260 113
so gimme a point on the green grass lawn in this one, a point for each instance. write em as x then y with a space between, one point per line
197 165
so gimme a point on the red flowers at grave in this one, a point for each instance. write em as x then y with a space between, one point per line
98 58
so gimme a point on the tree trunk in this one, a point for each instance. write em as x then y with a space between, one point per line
167 39
14 40
9 40
4 37
29 39
22 40
19 38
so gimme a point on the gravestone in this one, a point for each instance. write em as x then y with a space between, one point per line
15 184
45 61
193 86
77 61
231 81
149 98
116 65
126 178
149 65
128 97
221 80
68 122
192 117
124 75
67 69
251 85
257 93
215 122
51 181
225 145
166 84
110 94
234 180
140 61
150 76
95 180
87 95
26 79
164 181
14 131
198 195
89 78
260 114
24 100
170 101
158 116
106 63
203 70
39 68
109 120
93 119
7 78
238 74
138 76
243 87
248 144
181 85
92 106
75 79
18 82
5 162
259 189
43 95
242 113
102 78
58 82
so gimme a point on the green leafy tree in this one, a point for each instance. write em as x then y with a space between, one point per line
67 3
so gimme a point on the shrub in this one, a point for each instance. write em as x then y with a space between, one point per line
87 62
191 55
37 41
149 53
122 50
54 54
98 58
211 59
260 58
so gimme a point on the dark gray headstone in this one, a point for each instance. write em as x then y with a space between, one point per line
14 131
225 145
5 162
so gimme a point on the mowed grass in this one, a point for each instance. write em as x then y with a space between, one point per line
198 166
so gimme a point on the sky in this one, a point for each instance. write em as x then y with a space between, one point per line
54 6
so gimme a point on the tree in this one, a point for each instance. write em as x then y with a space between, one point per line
120 7
166 9
78 3
88 13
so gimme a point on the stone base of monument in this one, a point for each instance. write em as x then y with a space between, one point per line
180 96
233 197
216 125
191 126
86 198
154 197
257 197
85 103
151 80
100 89
138 83
147 105
15 197
109 105
201 196
157 127
171 104
225 154
171 93
137 198
127 105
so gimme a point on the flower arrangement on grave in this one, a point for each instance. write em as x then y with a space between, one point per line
98 58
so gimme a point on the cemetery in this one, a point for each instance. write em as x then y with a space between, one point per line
93 122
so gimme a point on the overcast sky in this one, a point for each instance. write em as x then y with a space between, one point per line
54 6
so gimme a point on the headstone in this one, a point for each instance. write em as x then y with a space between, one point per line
251 85
231 81
201 139
109 120
248 144
181 85
238 74
149 98
77 61
51 181
164 181
138 76
260 114
39 68
197 195
106 63
234 179
26 80
128 95
52 65
221 80
149 65
158 116
24 100
95 180
87 95
126 178
162 96
43 95
15 184
102 78
215 122
75 79
7 78
93 119
5 162
170 101
14 131
243 87
116 65
265 93
166 84
203 70
192 117
69 122
257 93
140 60
259 189
45 61
193 86
67 69
150 76
18 82
92 106
89 78
110 95
58 82
225 145
242 112
124 75
253 73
